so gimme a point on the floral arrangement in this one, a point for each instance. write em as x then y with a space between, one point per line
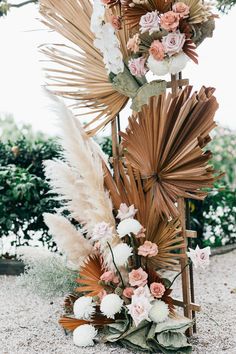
163 35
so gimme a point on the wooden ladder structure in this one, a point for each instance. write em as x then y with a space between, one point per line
188 300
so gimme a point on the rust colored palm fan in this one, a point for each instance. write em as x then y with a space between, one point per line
164 145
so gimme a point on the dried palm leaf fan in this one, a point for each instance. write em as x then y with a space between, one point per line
167 235
164 142
80 73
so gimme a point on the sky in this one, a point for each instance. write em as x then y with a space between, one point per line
22 78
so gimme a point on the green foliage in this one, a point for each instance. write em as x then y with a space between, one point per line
106 145
24 193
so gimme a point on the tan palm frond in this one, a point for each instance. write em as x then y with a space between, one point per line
199 12
80 73
90 274
129 189
132 14
164 144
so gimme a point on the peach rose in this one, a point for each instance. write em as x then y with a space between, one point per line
141 233
170 21
107 276
138 277
157 290
148 249
133 43
157 50
128 292
116 22
181 8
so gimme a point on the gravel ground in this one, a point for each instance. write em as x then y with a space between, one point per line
28 324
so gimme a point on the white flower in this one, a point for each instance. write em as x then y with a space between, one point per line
139 308
159 311
110 305
121 254
101 232
97 17
84 308
158 67
84 335
129 226
219 211
200 257
177 63
126 212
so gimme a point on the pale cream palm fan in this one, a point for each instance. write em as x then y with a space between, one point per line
80 73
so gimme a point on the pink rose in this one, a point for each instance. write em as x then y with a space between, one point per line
107 276
141 233
139 309
102 294
181 8
116 22
149 22
157 290
137 66
200 257
133 43
138 277
170 21
101 231
157 50
148 249
173 42
128 292
143 291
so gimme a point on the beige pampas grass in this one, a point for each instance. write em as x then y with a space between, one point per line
69 240
79 180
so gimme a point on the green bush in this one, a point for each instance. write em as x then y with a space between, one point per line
24 193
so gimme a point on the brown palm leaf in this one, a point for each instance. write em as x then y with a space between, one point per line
129 188
132 14
164 142
80 73
70 323
90 274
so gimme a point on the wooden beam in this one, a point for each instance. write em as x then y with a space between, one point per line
191 233
194 307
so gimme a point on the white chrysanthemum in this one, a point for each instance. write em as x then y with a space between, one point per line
159 311
84 308
177 63
84 335
110 305
121 254
158 67
127 226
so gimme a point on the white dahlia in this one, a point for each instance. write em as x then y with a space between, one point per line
84 308
84 335
128 226
158 67
159 311
121 254
110 305
177 63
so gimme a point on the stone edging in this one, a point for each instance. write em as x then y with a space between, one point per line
223 249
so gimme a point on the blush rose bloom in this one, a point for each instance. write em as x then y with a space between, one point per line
141 233
173 43
138 277
148 249
109 276
149 22
181 8
126 212
157 290
133 43
157 50
200 257
169 21
128 292
116 22
139 309
137 66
